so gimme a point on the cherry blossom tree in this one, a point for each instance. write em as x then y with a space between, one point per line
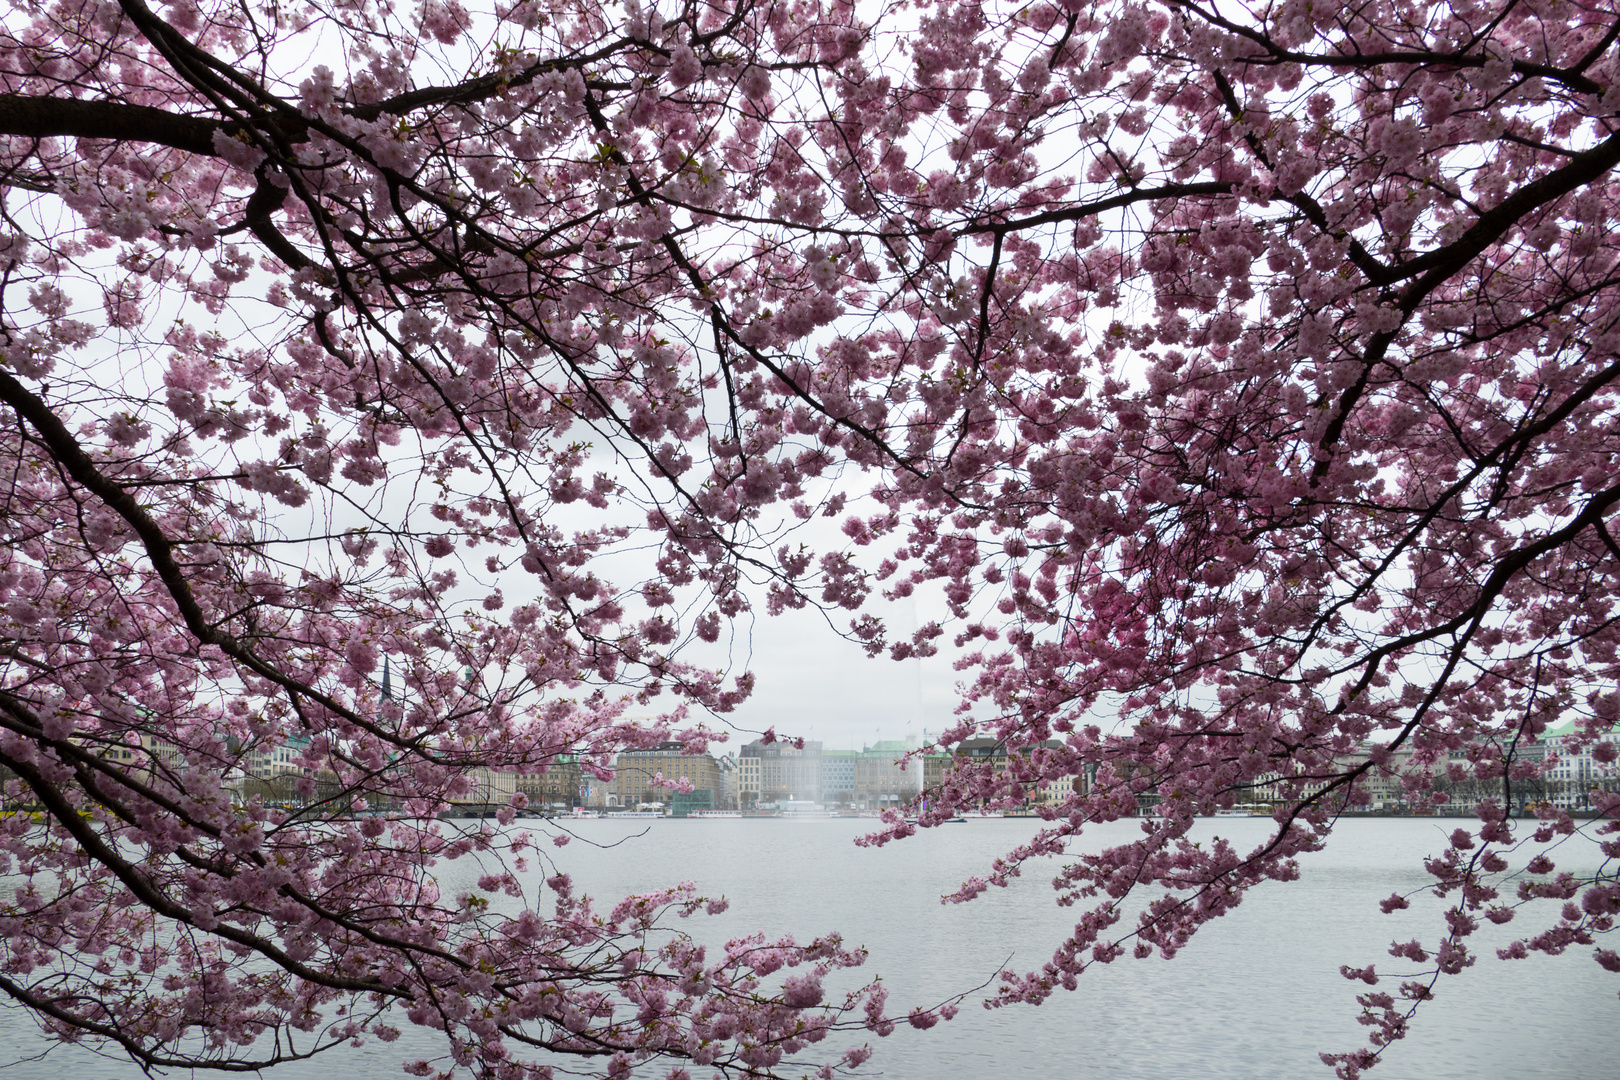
1242 377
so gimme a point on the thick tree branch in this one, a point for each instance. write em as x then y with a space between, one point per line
59 117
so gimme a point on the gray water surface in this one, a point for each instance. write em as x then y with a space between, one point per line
1256 996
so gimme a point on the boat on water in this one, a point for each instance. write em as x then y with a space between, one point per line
1243 810
634 814
707 815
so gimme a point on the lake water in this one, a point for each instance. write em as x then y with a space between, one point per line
1255 996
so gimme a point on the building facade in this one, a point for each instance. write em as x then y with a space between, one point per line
649 776
726 796
555 787
885 778
782 772
838 776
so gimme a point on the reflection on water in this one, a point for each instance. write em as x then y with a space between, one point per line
1254 997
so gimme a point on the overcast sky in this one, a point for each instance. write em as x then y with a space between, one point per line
814 684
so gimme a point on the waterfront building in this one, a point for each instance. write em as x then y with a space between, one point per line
884 778
1577 773
983 748
595 792
686 803
646 776
272 772
1394 785
838 776
781 771
1024 764
979 750
489 791
554 787
750 779
266 762
725 797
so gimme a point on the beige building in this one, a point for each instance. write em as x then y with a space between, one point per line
750 779
490 790
884 778
644 776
